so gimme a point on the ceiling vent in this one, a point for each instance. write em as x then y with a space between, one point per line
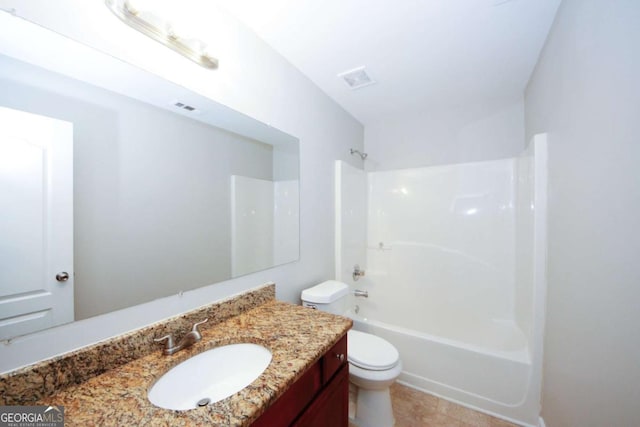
183 106
357 78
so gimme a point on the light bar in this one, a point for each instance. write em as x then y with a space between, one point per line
161 31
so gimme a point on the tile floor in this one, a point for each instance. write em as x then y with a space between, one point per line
413 408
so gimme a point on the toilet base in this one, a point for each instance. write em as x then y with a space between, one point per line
373 408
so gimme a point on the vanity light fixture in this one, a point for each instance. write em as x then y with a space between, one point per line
162 31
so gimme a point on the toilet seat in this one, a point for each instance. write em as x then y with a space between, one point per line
374 380
370 352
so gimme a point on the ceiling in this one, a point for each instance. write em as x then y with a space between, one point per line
424 54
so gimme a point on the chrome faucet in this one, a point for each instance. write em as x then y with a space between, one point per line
188 340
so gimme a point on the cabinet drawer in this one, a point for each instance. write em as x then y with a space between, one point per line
333 359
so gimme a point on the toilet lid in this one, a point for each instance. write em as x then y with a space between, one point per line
368 351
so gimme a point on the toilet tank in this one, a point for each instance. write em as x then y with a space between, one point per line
330 296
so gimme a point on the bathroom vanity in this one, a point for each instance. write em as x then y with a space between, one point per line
306 383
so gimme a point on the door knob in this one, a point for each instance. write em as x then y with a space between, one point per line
62 277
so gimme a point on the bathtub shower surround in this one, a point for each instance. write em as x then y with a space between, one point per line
449 231
452 255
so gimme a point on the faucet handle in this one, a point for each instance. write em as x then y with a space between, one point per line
169 339
357 272
194 328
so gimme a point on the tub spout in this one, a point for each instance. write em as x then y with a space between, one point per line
360 293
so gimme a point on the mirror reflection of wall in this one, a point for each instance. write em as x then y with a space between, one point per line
152 191
264 223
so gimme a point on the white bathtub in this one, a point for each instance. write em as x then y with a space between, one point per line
492 380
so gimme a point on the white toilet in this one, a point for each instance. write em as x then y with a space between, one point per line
374 364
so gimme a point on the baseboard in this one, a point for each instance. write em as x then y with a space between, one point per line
541 422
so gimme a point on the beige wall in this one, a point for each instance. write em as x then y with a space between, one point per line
585 92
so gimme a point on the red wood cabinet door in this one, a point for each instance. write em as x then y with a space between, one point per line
288 406
320 398
331 407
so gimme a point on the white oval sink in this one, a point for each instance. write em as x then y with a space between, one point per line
214 375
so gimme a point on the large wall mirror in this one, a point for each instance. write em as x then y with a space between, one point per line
119 187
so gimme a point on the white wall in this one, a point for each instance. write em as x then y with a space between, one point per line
585 92
469 133
252 79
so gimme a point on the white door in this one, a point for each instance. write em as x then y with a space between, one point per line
36 222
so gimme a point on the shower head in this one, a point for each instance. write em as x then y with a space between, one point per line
362 155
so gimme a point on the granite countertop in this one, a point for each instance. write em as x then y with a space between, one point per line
297 337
